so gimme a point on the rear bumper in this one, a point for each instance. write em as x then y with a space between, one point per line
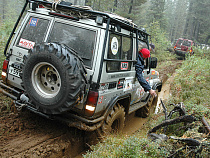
181 53
70 119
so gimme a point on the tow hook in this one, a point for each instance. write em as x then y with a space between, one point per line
19 106
22 103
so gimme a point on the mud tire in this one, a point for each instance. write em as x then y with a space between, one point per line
53 77
114 122
145 111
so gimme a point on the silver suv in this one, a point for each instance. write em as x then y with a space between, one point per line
77 65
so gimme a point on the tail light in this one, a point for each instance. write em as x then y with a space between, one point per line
4 70
190 50
174 47
91 102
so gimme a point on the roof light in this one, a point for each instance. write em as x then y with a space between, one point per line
34 6
99 20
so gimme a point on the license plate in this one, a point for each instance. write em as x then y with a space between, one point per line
14 71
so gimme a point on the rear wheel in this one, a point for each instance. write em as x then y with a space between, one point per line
114 121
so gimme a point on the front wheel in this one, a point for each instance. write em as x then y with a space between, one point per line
148 108
114 122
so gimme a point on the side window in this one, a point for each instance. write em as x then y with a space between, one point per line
34 32
80 39
120 48
142 45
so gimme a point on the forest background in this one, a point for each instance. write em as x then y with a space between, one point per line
171 18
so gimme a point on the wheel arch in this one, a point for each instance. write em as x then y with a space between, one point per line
123 100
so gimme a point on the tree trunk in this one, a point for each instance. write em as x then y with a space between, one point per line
115 6
131 7
197 29
4 8
207 39
188 18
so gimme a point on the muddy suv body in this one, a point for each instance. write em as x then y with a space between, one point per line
183 47
78 66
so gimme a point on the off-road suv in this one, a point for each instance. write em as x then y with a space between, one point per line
77 65
183 47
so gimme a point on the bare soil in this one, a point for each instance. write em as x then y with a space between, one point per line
25 134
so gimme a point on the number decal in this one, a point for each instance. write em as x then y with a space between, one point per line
14 72
124 65
33 22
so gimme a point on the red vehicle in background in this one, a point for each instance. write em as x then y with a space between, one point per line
183 47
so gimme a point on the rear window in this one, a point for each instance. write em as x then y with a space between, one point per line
34 32
80 39
179 42
187 43
141 45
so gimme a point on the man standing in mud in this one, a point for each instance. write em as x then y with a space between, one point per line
139 67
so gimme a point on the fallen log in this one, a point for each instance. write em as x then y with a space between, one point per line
185 118
164 109
205 123
188 141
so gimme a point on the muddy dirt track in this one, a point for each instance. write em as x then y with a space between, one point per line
28 135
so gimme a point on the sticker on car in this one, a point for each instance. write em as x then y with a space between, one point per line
26 43
114 45
33 22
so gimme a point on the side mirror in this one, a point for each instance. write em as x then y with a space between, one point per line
153 62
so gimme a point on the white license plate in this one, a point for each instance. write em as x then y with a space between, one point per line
14 71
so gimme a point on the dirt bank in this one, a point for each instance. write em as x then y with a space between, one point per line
28 135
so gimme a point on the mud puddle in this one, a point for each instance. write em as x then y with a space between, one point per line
164 95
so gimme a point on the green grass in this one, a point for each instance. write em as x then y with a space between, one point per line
131 146
5 30
191 86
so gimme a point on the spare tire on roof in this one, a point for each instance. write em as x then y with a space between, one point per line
54 78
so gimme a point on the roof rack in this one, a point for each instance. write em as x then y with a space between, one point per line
114 18
110 18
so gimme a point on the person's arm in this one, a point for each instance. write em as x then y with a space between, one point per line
152 92
145 84
142 81
139 68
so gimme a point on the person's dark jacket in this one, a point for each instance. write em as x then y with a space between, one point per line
139 69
